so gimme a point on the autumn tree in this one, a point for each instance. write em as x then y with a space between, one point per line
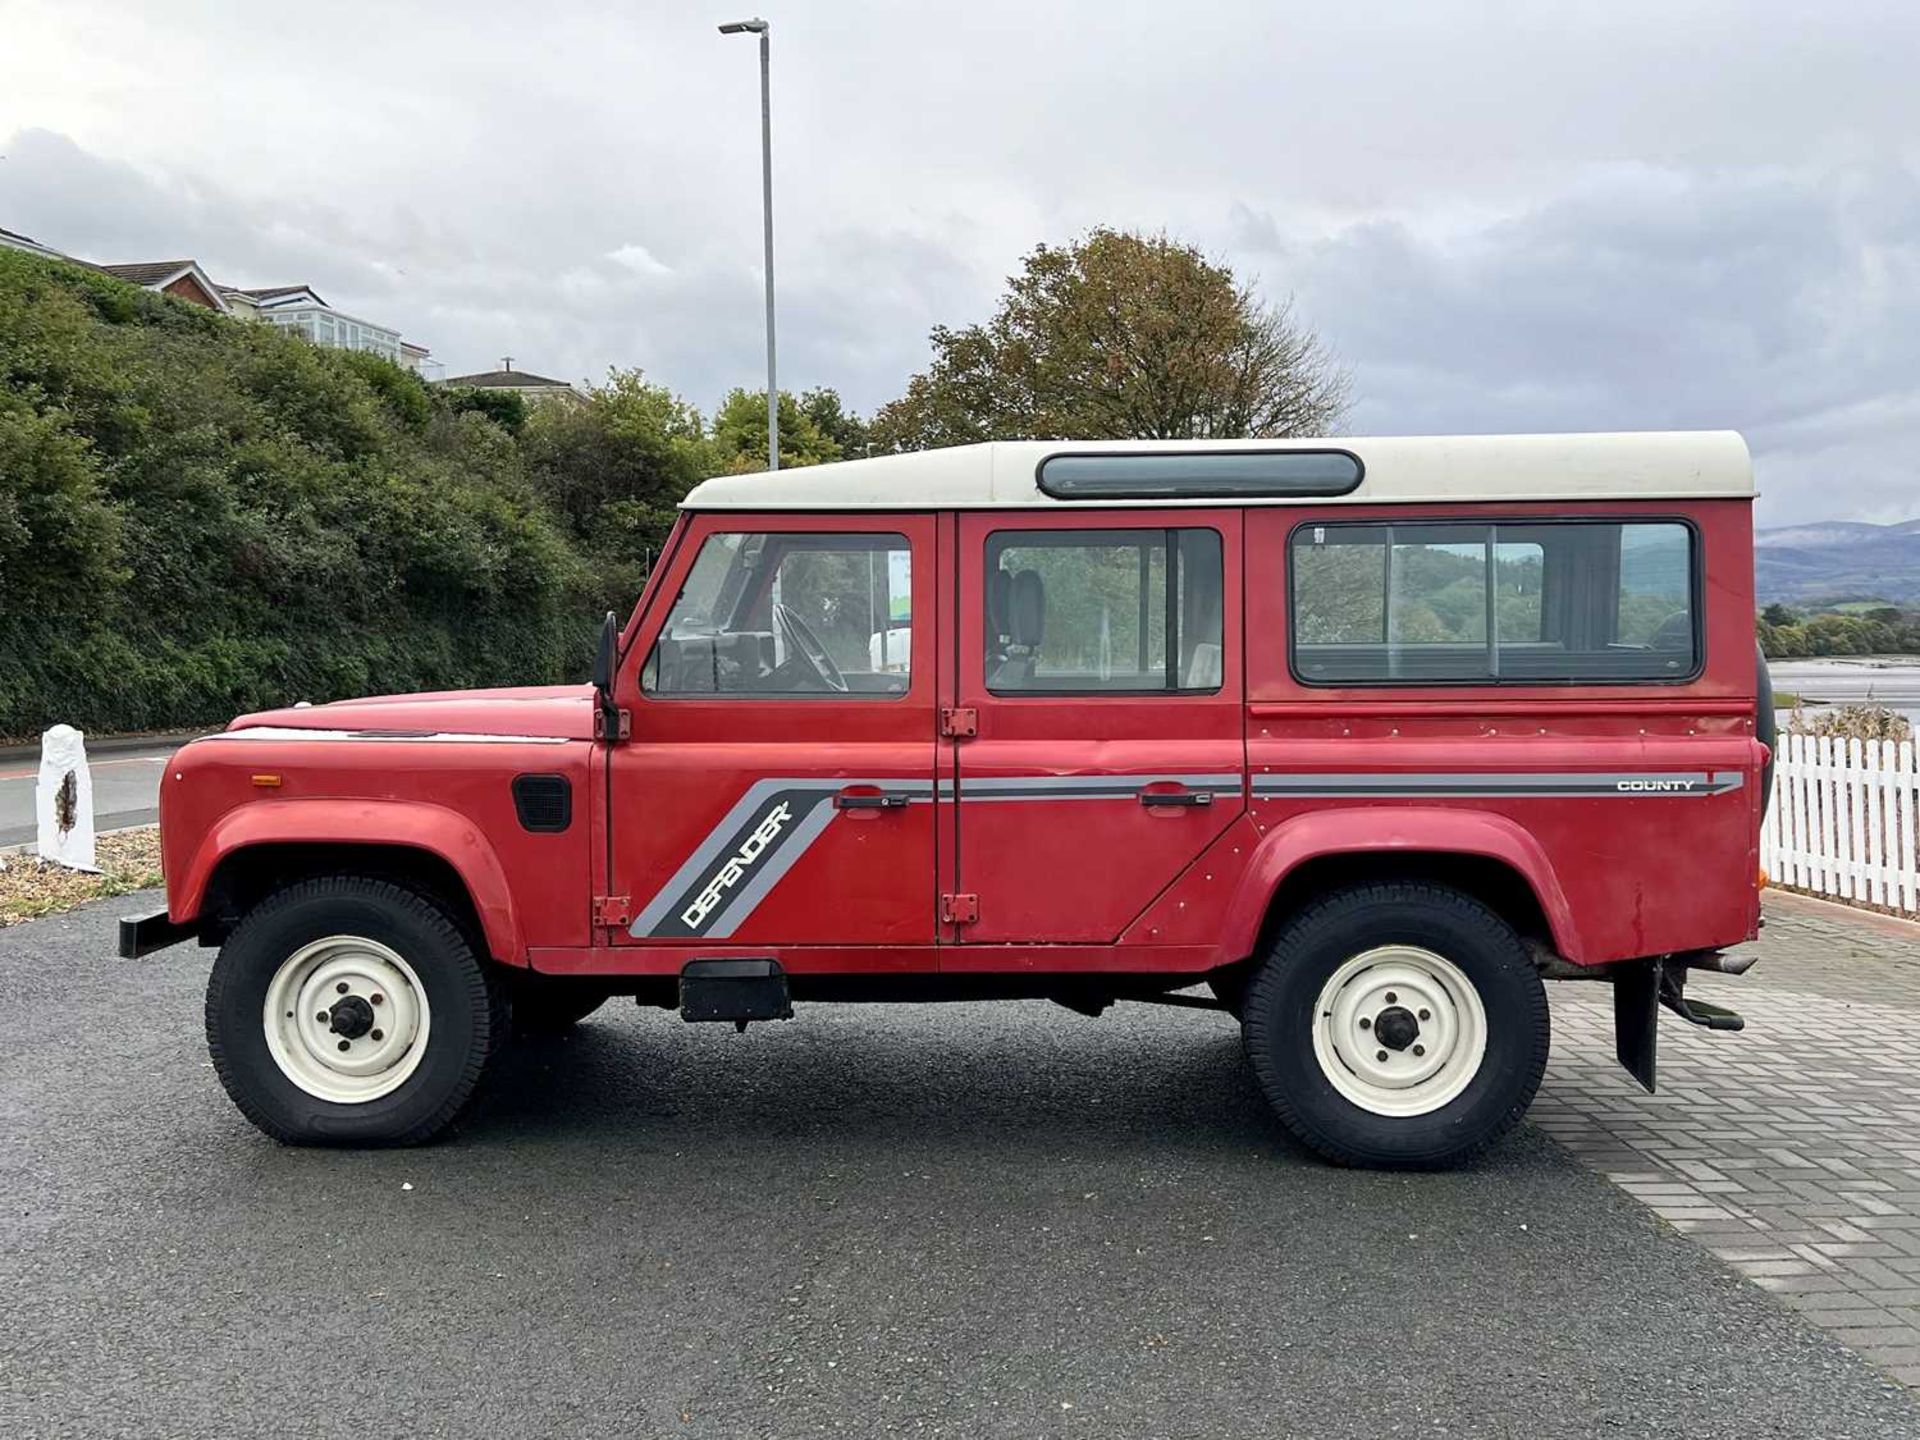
1120 336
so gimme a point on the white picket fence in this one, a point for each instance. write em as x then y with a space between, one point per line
1842 820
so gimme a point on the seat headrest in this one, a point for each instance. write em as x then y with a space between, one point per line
1026 608
997 584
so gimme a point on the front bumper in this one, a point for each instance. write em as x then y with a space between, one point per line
144 934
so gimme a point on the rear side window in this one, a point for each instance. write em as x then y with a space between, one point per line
794 616
1120 611
1441 603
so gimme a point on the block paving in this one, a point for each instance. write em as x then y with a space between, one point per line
1790 1150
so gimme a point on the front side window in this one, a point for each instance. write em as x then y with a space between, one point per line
1460 603
794 616
1117 611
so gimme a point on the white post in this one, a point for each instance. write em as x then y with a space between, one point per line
63 800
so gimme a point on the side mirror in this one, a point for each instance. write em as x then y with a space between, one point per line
603 662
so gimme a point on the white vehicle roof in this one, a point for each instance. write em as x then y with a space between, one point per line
1656 465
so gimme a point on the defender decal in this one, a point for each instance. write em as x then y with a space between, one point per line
764 834
744 856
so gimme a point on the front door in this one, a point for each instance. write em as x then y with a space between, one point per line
778 785
1100 652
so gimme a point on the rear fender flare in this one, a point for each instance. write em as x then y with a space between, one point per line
399 823
1401 830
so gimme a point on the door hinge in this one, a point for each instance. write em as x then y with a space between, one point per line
960 722
612 910
959 909
620 729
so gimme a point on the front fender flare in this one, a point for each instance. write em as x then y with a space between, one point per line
402 824
1404 830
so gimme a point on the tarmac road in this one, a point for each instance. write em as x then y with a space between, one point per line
965 1220
126 789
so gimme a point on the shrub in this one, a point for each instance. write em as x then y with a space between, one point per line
200 516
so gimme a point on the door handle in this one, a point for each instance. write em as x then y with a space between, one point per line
883 800
1176 797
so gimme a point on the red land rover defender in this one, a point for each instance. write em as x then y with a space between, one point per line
1368 737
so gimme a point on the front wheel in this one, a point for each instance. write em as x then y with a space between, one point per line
345 1010
1397 1025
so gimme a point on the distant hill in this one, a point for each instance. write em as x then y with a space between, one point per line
1838 560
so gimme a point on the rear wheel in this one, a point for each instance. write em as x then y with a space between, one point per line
345 1010
1397 1025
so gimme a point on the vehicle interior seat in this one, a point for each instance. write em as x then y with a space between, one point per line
997 584
1026 621
1203 668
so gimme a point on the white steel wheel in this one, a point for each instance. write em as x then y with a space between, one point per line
346 1019
1399 1030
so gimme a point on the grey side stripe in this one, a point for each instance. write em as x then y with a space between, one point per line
1085 787
1566 784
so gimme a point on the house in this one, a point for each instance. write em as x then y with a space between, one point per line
9 240
534 389
182 279
298 308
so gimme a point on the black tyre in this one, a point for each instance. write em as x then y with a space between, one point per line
1397 1025
543 1005
351 1011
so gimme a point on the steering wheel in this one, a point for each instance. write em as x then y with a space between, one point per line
810 648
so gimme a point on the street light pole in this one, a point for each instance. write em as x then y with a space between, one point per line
763 30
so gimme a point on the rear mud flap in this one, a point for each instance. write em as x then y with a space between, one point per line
1636 1019
1640 989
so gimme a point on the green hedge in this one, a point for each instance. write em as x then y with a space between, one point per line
200 516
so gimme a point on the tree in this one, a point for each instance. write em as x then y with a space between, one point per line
740 430
612 470
1778 614
1120 336
823 406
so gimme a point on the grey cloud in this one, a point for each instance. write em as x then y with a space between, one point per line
1600 213
1783 304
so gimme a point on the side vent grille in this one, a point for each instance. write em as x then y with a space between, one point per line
543 802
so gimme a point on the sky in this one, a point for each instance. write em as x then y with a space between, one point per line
1501 215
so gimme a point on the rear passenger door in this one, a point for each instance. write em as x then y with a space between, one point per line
1100 654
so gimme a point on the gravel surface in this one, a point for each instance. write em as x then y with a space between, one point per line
29 886
963 1220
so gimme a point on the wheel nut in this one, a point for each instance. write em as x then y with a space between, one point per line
346 1044
1418 1049
323 1017
1365 1023
378 1036
1391 997
1381 1056
341 987
1426 1014
377 998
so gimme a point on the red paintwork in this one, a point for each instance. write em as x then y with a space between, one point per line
450 800
1067 886
1079 870
563 710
